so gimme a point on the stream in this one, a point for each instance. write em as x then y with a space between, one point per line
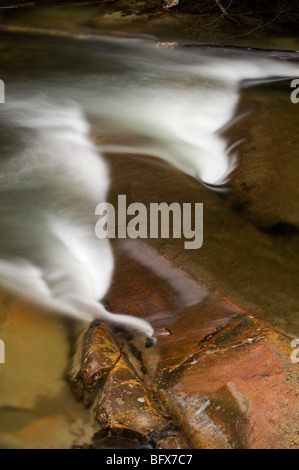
75 112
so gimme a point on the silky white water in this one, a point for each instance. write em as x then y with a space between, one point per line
170 104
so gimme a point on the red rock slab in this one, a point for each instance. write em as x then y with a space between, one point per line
254 270
238 393
123 406
224 376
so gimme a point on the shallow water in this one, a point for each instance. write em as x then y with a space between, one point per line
69 101
140 99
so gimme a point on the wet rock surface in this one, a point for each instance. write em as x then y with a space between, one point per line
124 402
253 269
218 377
266 182
232 385
98 355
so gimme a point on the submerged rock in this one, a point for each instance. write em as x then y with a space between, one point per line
221 379
221 375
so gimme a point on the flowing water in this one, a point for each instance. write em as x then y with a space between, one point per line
66 111
170 104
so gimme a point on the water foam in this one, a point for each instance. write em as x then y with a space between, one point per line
169 104
50 187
